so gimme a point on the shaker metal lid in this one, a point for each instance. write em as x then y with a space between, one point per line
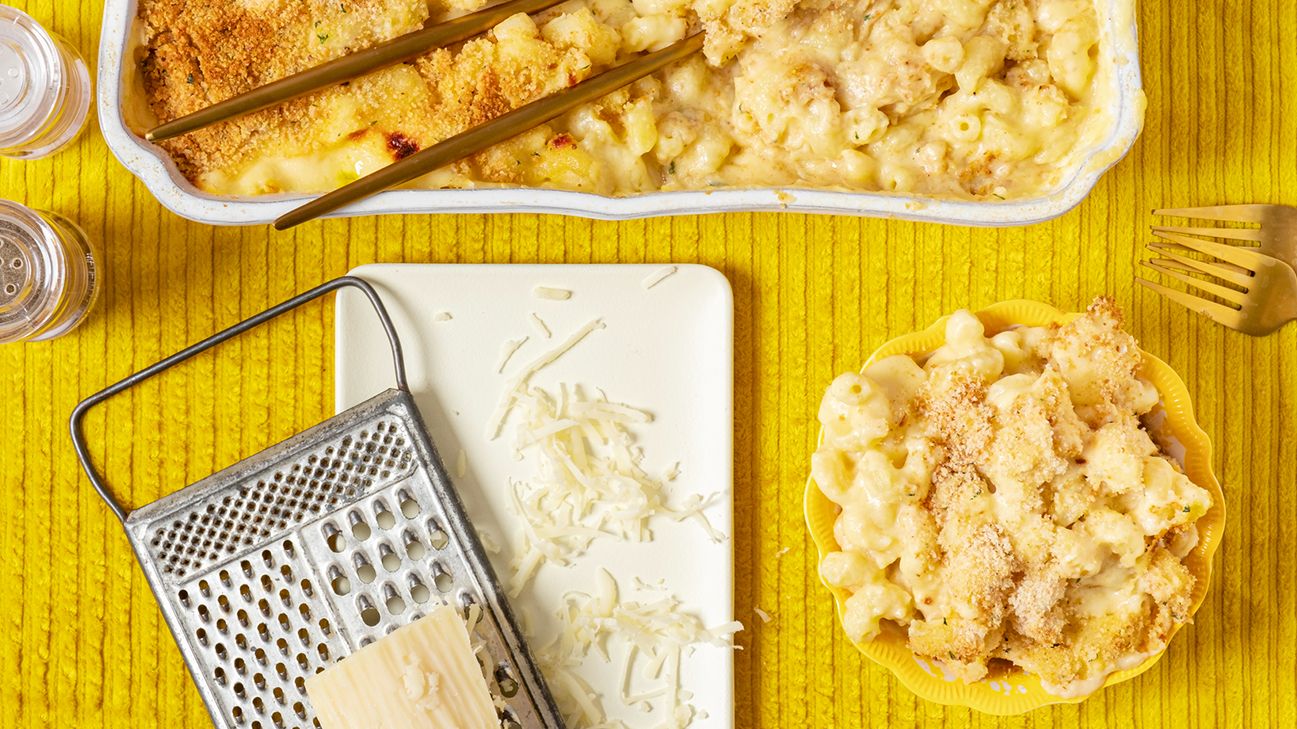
30 284
31 77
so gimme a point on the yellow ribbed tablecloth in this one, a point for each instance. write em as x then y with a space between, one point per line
82 643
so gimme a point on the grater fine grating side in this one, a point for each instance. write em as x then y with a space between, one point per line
274 568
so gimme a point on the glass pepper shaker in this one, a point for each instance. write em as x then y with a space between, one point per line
45 88
49 274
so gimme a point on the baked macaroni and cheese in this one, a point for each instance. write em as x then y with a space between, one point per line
1010 499
976 99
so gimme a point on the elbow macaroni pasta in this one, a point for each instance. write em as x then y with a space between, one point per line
1005 498
955 98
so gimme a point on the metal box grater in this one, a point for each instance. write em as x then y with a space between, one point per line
276 567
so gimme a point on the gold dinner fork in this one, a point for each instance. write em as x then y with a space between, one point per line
1276 237
1266 294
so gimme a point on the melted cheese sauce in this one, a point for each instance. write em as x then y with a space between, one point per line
960 98
1003 500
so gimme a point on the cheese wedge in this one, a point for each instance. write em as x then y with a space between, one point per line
423 675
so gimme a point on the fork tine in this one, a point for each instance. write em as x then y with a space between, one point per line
1237 255
1224 213
1252 234
1218 313
1219 270
1178 272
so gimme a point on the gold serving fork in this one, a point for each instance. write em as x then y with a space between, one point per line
1263 294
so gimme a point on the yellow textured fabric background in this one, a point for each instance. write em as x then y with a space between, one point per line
83 645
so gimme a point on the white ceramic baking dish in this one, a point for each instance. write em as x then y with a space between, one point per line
118 75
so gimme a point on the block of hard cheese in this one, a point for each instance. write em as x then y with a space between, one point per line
423 675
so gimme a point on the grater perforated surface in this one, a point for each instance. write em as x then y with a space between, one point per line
275 568
310 486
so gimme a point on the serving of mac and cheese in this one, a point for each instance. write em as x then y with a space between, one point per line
1009 498
965 99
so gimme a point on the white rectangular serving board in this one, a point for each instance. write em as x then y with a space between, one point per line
668 349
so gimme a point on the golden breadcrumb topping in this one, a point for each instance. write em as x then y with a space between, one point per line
966 98
198 53
1003 501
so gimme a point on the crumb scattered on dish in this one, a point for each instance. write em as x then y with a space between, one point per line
659 276
541 327
552 293
507 351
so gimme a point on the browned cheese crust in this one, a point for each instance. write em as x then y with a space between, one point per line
1006 502
202 53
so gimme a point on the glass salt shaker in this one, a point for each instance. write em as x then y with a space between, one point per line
49 274
45 88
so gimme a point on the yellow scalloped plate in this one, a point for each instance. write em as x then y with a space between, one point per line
1011 690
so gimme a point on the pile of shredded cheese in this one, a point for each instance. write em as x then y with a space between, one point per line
519 382
651 637
589 480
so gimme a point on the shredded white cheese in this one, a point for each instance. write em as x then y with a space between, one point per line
442 316
507 352
640 584
693 507
472 618
674 472
551 293
780 554
659 276
651 638
421 686
765 616
588 482
520 380
541 326
489 541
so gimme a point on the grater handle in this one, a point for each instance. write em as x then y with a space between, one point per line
79 413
